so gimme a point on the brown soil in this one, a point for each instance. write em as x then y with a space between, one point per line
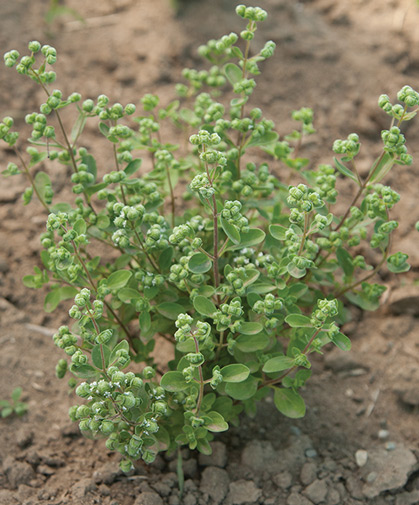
336 56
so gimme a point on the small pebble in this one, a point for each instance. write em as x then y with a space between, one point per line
382 434
311 453
361 457
390 446
295 431
371 477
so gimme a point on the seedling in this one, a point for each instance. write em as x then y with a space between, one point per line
14 406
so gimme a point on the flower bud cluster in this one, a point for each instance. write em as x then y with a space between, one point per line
64 339
381 199
398 259
251 13
236 279
325 309
213 49
197 79
5 133
231 213
350 147
268 305
325 183
303 199
305 115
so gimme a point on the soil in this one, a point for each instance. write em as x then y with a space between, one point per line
336 56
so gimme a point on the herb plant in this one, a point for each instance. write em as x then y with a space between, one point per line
243 274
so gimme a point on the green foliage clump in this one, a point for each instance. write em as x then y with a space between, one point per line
246 278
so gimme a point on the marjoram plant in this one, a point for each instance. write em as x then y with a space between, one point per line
243 274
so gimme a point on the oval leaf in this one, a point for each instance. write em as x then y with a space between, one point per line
251 343
233 73
253 237
55 296
170 310
173 381
342 341
345 171
235 373
204 306
199 263
118 279
289 403
277 231
97 356
216 422
242 390
278 364
298 321
231 231
250 328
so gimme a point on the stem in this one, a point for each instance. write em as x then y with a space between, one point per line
201 380
172 196
31 179
303 238
241 140
93 286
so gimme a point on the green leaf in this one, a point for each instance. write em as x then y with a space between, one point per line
342 341
345 171
252 343
57 295
381 168
345 261
145 321
80 226
16 394
97 356
298 321
173 381
242 390
102 222
170 310
126 295
42 182
398 269
118 279
231 231
199 263
133 166
88 160
78 126
204 306
121 345
235 373
263 140
277 231
289 403
6 412
104 129
253 237
278 364
216 422
84 371
250 328
37 158
165 258
261 288
91 190
233 73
